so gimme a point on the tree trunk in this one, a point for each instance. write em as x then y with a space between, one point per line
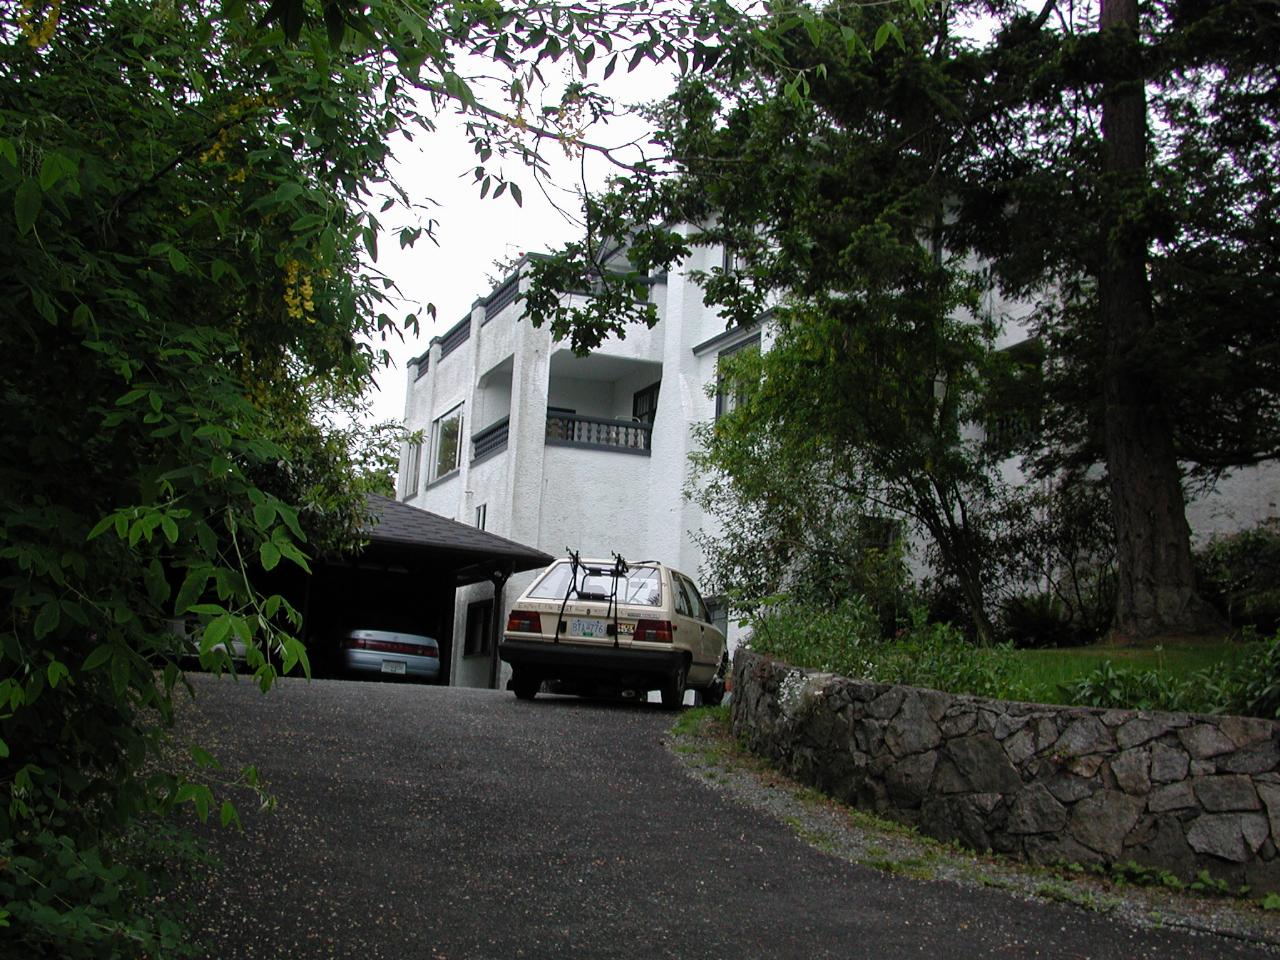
1156 590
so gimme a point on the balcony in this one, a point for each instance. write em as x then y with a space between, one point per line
599 433
492 439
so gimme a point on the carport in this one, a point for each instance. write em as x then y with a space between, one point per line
406 578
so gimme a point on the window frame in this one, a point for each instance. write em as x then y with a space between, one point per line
728 402
437 433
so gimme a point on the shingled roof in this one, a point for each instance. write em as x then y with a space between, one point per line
400 525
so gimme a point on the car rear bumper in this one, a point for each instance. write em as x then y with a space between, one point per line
575 661
387 664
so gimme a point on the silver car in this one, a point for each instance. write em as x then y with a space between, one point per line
390 653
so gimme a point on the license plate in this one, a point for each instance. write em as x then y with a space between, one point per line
393 666
587 628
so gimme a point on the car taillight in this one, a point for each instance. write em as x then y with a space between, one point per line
390 646
653 631
522 621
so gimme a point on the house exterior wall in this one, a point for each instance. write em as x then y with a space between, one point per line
552 495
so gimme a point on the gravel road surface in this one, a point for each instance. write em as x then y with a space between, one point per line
430 822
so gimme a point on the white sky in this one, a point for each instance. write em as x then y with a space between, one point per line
472 233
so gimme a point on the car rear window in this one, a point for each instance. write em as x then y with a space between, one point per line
640 586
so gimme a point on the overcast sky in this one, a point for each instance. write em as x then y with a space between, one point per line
436 169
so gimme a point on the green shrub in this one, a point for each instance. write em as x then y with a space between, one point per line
1122 689
1240 575
847 641
1039 620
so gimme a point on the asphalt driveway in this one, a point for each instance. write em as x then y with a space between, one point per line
428 822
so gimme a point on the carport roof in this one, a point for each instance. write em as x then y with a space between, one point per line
448 543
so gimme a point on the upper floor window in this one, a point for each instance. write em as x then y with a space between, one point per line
644 403
482 515
412 469
729 390
446 443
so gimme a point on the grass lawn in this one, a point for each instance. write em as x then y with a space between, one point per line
1044 671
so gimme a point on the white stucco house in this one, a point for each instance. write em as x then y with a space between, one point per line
528 441
525 440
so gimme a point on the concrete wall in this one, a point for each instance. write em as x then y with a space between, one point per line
1171 791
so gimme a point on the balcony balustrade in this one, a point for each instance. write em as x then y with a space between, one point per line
491 439
624 436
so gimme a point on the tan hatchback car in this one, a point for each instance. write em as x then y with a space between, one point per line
609 627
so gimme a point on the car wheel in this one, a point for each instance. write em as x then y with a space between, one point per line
673 688
525 686
713 696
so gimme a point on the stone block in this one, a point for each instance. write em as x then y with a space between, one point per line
1140 730
957 723
981 762
1036 810
1204 740
1173 796
1203 768
1008 724
960 818
1168 764
1068 788
912 730
1269 793
1255 830
1021 746
1086 766
1083 736
1101 822
886 705
1164 845
947 778
1224 794
1114 718
1219 835
1261 757
1051 849
1247 731
868 736
1132 770
1047 733
908 780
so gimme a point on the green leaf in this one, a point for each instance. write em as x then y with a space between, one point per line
56 672
7 152
47 619
228 813
177 261
269 555
96 658
4 750
55 167
26 205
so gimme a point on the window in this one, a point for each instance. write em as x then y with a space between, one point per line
412 469
639 586
479 633
482 514
695 600
1015 400
729 395
644 405
446 439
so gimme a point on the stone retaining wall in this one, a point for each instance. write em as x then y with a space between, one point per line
1174 791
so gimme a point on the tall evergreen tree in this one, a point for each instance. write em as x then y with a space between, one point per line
1117 171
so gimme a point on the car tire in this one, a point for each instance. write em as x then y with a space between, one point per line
713 695
673 688
525 686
